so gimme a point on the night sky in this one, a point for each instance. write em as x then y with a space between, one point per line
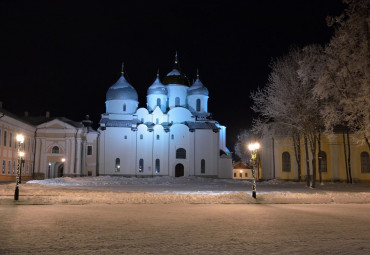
62 56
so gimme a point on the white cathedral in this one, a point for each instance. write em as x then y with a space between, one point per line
173 136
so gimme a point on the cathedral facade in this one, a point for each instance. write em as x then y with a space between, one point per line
173 136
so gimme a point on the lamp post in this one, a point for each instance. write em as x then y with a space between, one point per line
253 147
20 140
21 154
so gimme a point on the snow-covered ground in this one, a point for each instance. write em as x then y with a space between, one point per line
208 229
123 190
118 215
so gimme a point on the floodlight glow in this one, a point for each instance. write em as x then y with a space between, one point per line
63 159
21 154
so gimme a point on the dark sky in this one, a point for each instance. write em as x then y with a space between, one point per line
62 56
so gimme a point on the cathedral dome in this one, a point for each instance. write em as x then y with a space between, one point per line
198 88
176 76
157 87
122 90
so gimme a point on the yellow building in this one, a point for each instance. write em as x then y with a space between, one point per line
279 162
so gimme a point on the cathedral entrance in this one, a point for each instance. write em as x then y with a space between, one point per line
179 170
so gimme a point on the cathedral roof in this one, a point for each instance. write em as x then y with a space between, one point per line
157 87
198 88
176 76
122 90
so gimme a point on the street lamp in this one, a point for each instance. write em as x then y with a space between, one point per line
20 140
253 147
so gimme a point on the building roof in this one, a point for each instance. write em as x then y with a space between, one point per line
198 88
157 87
176 76
122 90
117 123
201 125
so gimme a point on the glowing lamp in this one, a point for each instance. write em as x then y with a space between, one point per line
20 138
253 146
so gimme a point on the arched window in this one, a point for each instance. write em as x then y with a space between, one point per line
141 136
159 102
124 107
198 105
118 165
156 121
10 139
141 165
365 162
323 163
286 161
203 166
180 153
157 137
172 136
55 149
177 101
157 166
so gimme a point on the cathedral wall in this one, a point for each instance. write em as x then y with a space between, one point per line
180 138
119 143
192 103
206 147
117 106
160 150
175 91
152 102
144 151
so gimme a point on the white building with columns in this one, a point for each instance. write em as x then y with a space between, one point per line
173 136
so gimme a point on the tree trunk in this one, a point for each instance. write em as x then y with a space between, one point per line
307 162
349 159
312 139
345 156
297 153
319 157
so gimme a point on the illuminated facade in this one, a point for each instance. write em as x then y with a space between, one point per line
278 159
53 147
173 136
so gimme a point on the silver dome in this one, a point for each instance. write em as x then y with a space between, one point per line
157 88
122 90
198 88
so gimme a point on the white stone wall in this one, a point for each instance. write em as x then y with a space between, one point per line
192 103
116 106
176 90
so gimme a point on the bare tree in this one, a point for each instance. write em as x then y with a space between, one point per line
287 99
344 83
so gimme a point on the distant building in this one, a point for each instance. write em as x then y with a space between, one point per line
173 136
53 147
10 126
278 159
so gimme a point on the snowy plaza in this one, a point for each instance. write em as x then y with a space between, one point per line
186 215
